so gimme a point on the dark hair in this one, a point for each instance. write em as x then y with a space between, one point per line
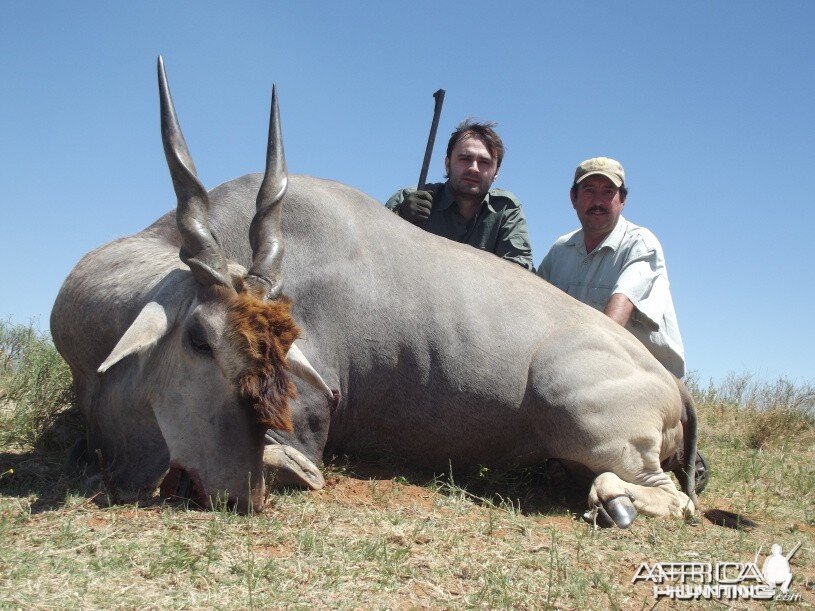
482 130
623 190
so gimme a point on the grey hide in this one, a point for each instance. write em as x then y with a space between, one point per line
440 353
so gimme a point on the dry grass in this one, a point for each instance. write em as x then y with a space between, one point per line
379 536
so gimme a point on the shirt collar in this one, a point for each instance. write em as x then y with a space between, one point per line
612 241
448 198
615 238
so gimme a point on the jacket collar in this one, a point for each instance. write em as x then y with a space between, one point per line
448 198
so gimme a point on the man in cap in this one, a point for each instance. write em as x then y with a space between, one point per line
466 208
618 267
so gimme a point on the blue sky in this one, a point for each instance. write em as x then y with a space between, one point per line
707 104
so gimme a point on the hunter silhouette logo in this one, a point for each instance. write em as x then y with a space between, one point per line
776 567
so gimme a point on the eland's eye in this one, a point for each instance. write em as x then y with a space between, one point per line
198 340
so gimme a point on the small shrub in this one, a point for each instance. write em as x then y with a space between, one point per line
743 391
760 414
35 386
774 426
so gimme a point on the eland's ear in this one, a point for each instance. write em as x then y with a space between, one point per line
150 326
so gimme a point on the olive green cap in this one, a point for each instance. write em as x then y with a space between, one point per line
605 166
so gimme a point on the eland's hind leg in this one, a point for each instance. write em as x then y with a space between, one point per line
659 498
602 401
638 485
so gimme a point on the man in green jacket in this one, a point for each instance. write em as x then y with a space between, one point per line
465 208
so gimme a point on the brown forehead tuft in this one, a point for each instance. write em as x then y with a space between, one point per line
263 332
254 321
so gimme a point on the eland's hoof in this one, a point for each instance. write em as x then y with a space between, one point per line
290 467
621 511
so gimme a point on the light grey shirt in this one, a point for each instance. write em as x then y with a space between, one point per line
629 261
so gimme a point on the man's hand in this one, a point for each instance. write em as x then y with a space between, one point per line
416 207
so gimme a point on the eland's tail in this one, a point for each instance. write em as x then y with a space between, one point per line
690 433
